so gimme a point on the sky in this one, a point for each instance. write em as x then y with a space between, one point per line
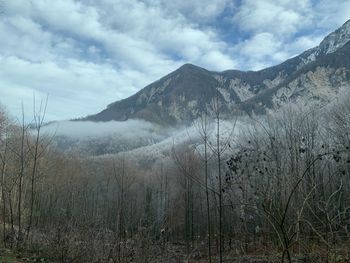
85 54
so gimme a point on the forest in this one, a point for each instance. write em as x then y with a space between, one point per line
276 190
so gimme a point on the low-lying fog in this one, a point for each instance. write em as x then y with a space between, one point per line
80 129
101 138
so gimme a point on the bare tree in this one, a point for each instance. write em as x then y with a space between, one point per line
203 127
22 156
36 154
220 146
3 158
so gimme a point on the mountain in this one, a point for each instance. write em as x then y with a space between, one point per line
316 74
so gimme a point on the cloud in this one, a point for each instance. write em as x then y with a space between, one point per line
196 10
82 129
277 17
260 45
74 89
276 31
91 138
329 14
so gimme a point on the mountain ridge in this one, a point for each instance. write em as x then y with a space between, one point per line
181 95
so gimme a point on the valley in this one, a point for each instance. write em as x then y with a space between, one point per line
197 166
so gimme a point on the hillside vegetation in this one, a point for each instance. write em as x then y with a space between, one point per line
277 189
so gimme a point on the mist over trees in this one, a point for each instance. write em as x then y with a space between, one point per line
277 189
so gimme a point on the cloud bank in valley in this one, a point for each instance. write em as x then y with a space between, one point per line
138 137
84 129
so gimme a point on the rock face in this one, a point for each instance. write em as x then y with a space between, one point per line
178 98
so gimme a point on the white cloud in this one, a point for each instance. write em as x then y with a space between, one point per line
260 45
331 14
277 17
301 44
84 86
278 30
260 51
196 10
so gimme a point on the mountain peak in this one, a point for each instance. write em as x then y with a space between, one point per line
189 67
346 24
337 39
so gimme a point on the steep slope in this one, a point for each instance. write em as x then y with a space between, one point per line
180 96
163 101
321 79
